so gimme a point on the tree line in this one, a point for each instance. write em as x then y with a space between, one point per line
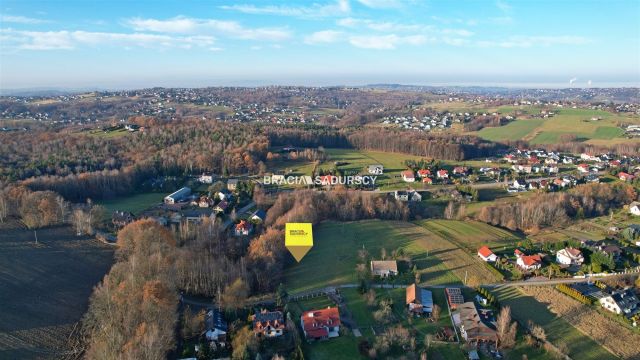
557 209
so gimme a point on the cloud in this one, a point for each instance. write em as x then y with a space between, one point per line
572 80
337 8
185 25
385 42
531 41
387 26
21 20
323 37
67 40
503 6
381 4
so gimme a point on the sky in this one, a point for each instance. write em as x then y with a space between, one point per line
133 44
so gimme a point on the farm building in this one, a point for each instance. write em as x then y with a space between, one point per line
177 196
472 324
384 268
419 300
321 324
454 297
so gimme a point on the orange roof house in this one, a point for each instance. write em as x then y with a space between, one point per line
486 254
321 324
268 323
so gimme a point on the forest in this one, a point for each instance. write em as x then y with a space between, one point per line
558 209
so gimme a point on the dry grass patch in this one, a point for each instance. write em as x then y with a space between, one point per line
610 334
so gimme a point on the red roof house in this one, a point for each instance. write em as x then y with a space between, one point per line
321 324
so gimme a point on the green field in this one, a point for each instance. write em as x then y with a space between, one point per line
559 332
438 259
133 203
513 131
356 162
338 244
577 122
471 235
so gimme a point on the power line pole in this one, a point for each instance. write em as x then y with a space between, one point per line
35 234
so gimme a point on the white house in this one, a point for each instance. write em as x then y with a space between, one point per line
623 302
530 262
376 169
486 254
408 176
569 256
634 208
205 179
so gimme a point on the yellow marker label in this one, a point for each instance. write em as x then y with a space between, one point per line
298 239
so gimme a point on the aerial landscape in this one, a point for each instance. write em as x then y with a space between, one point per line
341 179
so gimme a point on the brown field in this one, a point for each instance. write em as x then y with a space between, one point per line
45 288
621 341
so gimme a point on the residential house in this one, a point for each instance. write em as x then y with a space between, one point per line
423 173
206 179
215 327
177 196
258 216
224 195
221 207
592 178
427 180
243 228
473 324
408 176
529 262
460 170
442 174
613 250
622 302
268 323
454 297
384 268
321 324
232 184
486 254
625 177
205 202
634 208
419 300
583 168
569 256
408 195
376 169
121 218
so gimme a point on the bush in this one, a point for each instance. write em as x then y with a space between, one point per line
565 289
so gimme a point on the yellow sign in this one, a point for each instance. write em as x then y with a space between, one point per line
298 239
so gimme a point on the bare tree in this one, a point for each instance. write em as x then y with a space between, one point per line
81 221
435 312
4 207
506 329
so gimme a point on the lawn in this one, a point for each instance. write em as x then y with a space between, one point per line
471 235
559 331
133 203
338 244
439 261
514 130
343 347
565 122
355 162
